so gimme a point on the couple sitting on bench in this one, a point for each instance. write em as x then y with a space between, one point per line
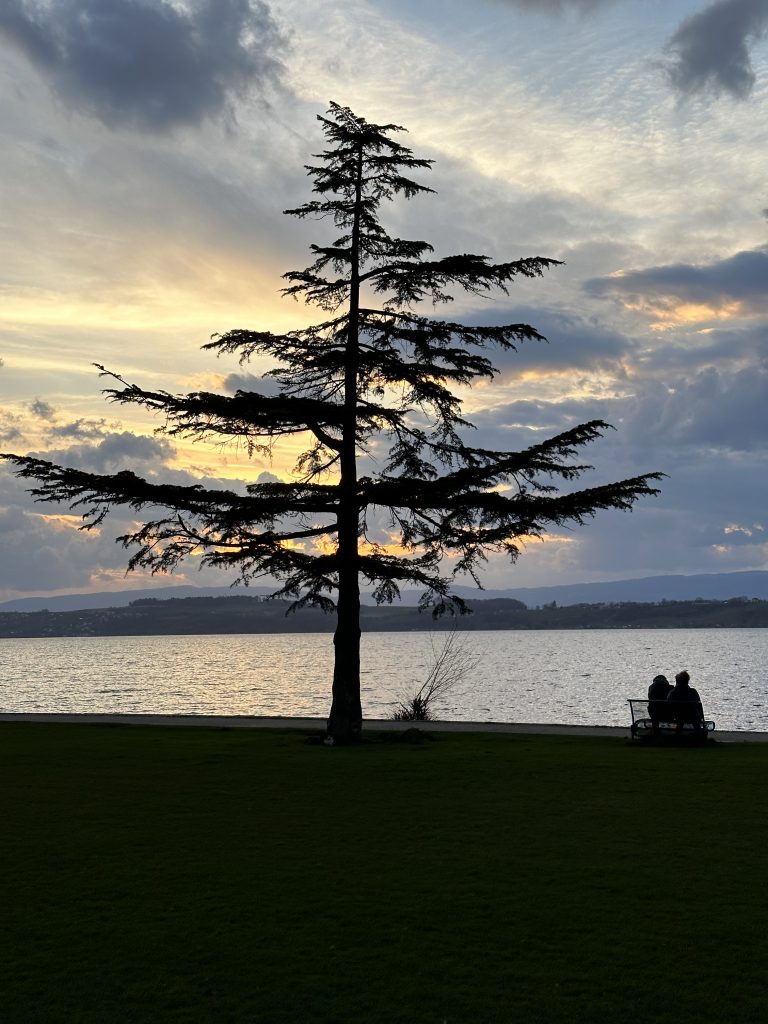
679 704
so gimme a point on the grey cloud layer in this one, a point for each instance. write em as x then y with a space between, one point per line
557 6
707 431
573 343
148 65
710 52
742 277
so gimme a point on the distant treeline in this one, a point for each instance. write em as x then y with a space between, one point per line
195 615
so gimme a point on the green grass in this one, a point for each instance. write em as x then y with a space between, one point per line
155 875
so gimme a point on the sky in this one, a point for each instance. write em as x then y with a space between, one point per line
148 148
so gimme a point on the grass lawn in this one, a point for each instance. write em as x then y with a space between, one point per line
158 875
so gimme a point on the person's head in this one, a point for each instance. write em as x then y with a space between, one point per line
682 678
660 680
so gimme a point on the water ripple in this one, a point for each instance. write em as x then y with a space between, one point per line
575 676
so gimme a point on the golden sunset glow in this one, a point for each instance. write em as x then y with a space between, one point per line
60 521
670 316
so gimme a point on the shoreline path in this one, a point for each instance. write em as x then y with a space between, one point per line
373 725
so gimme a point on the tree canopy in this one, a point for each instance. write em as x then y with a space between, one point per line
373 389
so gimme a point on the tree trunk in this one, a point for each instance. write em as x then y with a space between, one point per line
346 718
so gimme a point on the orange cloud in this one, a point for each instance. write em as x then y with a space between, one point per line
61 521
670 313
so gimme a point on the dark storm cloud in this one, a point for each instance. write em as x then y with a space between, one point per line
150 65
740 278
710 52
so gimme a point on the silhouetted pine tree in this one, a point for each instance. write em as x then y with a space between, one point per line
370 385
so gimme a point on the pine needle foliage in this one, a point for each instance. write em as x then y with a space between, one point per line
373 389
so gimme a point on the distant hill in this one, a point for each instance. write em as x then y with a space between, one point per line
210 615
122 598
708 586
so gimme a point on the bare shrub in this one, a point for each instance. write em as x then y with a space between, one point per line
451 660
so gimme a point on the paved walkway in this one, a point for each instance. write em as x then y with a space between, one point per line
318 724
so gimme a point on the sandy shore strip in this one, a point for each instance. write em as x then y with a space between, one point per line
373 725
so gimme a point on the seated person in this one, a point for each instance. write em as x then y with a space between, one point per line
658 710
687 703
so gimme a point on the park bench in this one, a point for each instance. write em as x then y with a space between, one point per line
642 723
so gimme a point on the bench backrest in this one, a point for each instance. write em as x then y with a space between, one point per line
666 710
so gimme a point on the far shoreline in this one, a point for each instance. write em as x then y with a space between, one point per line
253 615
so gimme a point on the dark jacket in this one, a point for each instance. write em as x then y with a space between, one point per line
683 693
659 690
685 705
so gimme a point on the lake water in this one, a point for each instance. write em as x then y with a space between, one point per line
574 676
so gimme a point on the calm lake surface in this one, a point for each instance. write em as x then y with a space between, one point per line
566 676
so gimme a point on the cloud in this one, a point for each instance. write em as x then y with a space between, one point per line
573 342
687 528
10 427
42 410
710 51
147 65
712 410
41 545
737 285
705 428
250 382
82 429
668 419
557 6
41 552
114 452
